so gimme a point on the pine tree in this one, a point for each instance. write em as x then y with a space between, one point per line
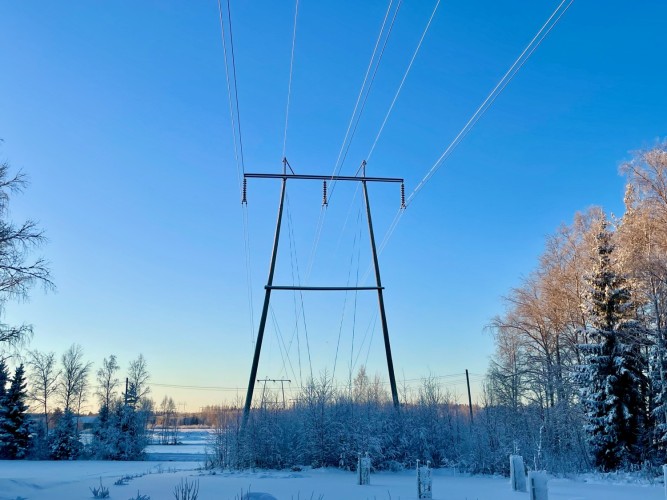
15 426
612 375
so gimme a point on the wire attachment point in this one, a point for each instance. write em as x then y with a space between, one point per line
244 200
324 194
402 196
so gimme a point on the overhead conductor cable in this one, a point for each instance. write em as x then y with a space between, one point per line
536 41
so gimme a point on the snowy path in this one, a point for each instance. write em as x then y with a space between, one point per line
72 480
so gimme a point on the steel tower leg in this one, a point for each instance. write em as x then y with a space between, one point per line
265 311
383 317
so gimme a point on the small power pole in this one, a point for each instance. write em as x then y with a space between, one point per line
273 381
469 397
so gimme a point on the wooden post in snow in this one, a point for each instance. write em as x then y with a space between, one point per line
424 482
517 473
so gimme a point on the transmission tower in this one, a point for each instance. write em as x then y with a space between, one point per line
284 177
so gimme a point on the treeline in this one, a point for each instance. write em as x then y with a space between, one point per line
328 426
58 391
581 345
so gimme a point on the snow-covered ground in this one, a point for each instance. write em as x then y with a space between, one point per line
72 480
167 465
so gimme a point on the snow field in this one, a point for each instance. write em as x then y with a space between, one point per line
72 480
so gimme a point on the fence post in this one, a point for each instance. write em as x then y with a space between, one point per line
538 485
424 482
364 469
517 473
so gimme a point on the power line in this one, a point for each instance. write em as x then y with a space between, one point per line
405 75
289 85
497 90
239 168
298 277
293 257
450 378
536 41
236 93
371 328
368 90
371 63
238 155
349 273
248 265
284 346
363 84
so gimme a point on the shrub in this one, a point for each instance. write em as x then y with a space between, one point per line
186 490
100 492
140 497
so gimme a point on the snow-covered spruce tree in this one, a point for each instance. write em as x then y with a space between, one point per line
101 447
64 441
611 375
129 434
121 430
14 427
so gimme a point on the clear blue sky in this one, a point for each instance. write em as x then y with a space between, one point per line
118 113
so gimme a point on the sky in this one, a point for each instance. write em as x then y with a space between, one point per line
118 112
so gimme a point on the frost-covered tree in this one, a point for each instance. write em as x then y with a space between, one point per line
18 273
121 430
131 431
169 430
73 377
644 239
43 379
64 441
4 378
612 372
107 380
138 377
14 426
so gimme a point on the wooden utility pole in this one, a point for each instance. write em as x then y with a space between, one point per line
469 397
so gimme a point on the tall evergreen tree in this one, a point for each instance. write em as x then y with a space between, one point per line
15 427
612 375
